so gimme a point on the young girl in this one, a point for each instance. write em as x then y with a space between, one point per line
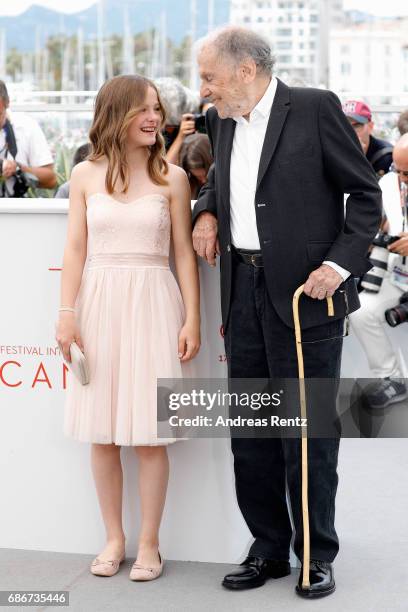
124 309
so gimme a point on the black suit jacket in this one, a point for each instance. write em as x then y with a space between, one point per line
310 158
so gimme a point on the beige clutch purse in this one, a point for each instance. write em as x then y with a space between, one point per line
78 365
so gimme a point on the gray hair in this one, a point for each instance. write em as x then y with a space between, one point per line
176 99
4 93
238 43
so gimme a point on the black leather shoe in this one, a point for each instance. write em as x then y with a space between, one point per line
321 580
254 571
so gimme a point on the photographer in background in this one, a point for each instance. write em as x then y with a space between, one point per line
25 158
190 124
178 102
377 151
385 284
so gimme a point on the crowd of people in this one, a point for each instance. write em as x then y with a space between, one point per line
385 286
26 159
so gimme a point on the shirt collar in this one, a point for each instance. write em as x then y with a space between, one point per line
263 108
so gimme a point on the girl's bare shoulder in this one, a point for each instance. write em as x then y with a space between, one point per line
176 173
87 173
86 166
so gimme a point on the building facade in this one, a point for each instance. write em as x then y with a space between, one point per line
371 60
298 31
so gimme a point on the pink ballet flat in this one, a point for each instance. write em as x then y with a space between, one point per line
140 572
106 568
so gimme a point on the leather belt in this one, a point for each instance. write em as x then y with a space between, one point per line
249 257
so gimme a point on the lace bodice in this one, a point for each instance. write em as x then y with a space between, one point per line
140 226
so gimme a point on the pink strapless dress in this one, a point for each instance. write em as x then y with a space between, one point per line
129 311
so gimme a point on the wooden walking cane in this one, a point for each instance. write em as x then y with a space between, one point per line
305 503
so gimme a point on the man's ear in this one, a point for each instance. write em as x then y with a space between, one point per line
247 70
371 126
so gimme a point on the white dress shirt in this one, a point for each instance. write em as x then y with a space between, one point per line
246 151
32 146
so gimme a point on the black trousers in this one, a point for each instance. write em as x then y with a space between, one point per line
259 345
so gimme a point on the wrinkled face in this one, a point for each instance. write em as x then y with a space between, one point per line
143 129
400 159
363 131
222 83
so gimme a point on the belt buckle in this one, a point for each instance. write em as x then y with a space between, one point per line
253 259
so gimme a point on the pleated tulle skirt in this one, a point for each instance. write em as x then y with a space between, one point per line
129 311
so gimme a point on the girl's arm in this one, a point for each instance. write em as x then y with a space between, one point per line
186 262
73 261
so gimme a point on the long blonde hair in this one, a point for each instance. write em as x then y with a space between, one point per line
117 103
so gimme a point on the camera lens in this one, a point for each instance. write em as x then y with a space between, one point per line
373 279
391 317
396 316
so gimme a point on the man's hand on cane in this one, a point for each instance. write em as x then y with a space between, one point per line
322 283
205 240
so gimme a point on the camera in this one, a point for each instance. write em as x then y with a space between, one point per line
384 240
399 314
199 123
23 181
379 258
170 131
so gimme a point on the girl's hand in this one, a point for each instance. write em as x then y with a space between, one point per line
66 333
187 126
189 341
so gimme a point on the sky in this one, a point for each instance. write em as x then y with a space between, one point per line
377 7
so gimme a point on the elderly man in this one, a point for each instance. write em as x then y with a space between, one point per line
273 210
369 321
22 147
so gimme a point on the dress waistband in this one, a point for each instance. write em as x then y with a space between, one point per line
127 260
